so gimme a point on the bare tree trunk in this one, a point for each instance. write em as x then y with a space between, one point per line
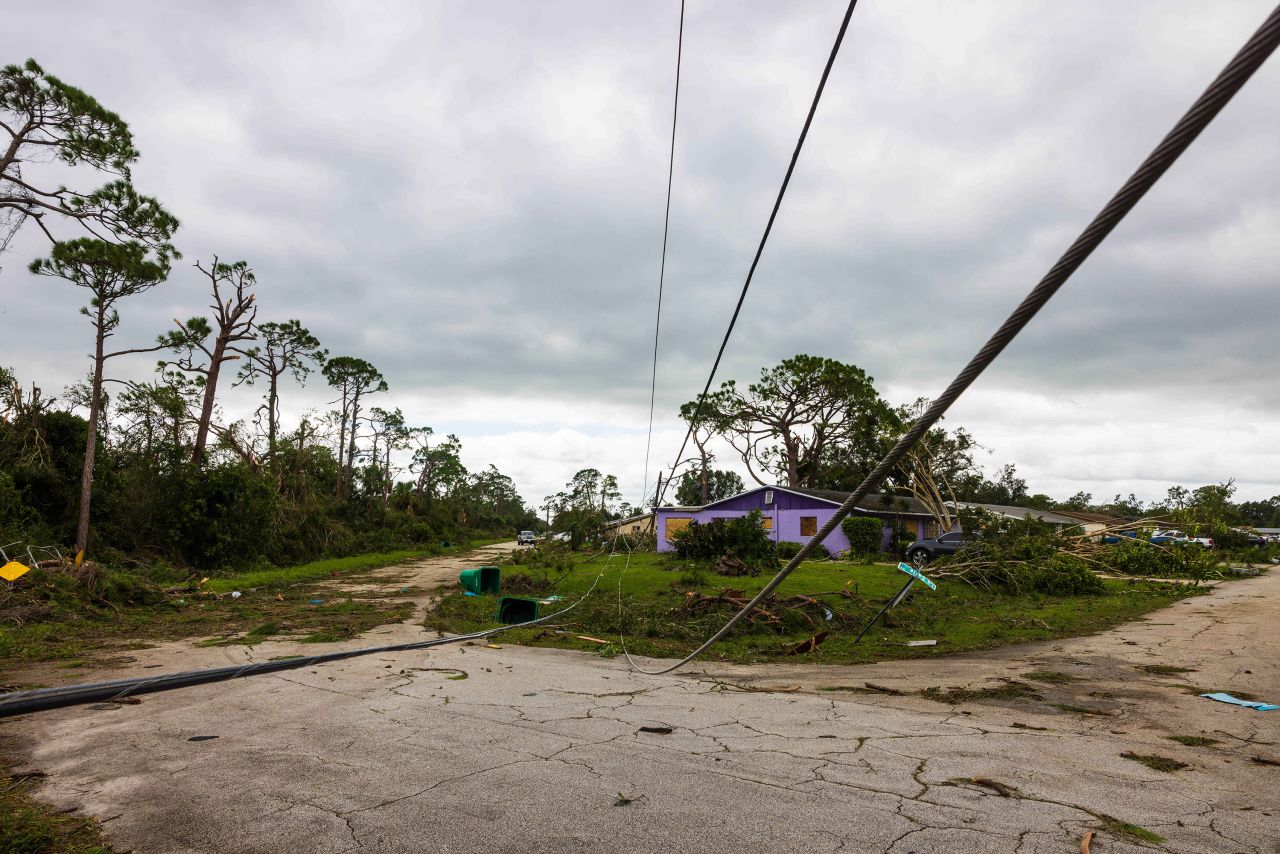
342 445
91 440
793 471
206 411
351 449
273 401
386 477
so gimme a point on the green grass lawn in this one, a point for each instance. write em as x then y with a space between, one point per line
658 621
319 570
30 827
77 632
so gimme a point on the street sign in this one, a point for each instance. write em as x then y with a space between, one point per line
13 570
917 575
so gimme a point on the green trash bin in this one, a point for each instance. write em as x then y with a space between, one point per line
482 580
516 609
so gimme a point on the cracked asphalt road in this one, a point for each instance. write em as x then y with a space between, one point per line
542 750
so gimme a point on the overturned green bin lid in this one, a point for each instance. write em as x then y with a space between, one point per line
513 610
482 579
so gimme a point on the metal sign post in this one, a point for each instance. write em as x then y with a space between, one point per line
915 575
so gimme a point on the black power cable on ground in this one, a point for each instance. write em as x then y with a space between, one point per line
42 699
764 238
1250 57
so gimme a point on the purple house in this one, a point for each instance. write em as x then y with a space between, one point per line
793 514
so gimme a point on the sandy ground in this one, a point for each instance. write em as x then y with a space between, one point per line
544 750
427 576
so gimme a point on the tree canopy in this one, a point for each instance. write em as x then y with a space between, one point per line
46 119
809 421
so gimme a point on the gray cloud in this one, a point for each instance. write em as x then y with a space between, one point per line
470 196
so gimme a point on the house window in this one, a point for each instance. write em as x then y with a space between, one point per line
768 497
808 526
675 525
766 522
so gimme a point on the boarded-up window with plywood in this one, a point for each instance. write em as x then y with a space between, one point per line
808 526
766 522
675 525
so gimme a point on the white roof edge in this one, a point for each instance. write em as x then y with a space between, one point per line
787 490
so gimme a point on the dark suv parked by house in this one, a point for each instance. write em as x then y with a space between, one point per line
922 551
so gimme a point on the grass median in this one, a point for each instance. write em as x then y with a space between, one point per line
665 608
48 617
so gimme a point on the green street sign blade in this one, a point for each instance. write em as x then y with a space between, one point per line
917 575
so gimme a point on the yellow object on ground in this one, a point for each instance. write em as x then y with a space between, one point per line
13 570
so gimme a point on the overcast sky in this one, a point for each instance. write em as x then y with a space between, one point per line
470 196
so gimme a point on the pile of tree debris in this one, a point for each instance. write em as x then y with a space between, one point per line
780 614
1028 555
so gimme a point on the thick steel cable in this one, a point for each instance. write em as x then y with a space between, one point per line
764 238
41 699
662 269
1250 57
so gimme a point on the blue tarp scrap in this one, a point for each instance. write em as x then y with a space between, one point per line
1223 697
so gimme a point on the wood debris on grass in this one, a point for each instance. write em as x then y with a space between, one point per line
774 612
808 645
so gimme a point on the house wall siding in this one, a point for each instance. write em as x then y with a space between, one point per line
786 510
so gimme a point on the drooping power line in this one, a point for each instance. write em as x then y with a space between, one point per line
764 238
1250 57
662 269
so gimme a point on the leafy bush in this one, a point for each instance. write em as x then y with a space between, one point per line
743 538
222 517
18 522
864 533
1255 554
787 550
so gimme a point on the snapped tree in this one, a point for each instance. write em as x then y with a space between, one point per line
233 315
940 459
